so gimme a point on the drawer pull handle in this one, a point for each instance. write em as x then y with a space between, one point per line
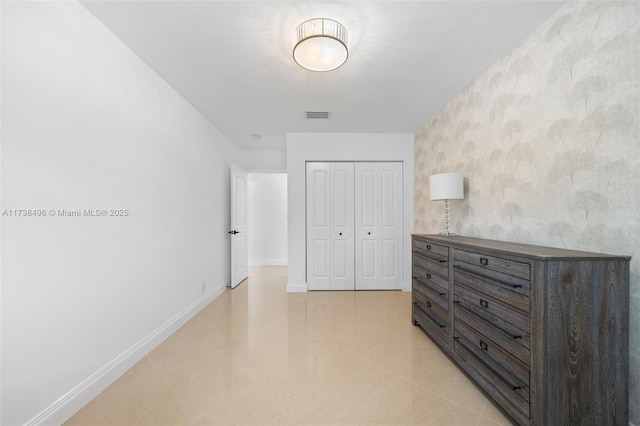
442 261
484 304
516 387
443 326
442 294
484 346
484 261
456 338
428 304
429 276
428 246
456 301
517 337
516 286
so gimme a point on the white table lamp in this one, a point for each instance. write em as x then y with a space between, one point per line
446 186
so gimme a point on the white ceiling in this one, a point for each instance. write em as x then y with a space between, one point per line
232 59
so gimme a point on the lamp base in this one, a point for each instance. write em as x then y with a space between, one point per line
446 232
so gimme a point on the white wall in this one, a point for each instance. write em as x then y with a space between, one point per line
267 214
87 125
303 147
268 161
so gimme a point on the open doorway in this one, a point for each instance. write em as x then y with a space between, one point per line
267 218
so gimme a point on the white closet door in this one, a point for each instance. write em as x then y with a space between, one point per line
330 230
378 224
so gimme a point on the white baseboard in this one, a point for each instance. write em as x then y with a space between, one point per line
267 262
70 403
296 287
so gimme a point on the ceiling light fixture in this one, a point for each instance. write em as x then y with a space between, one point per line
321 44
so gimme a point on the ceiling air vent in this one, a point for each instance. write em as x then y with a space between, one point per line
317 114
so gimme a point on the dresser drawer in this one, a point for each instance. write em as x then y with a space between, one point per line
431 302
438 295
493 354
507 342
515 397
509 267
431 250
434 326
440 267
516 295
493 311
434 281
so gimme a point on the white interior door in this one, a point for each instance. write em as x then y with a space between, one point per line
378 226
330 226
239 228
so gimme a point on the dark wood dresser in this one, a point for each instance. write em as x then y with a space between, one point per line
543 331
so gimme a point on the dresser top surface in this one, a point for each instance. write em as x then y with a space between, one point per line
528 250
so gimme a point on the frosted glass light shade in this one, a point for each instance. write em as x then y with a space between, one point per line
321 45
446 186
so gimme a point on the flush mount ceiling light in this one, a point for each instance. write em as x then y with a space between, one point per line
320 44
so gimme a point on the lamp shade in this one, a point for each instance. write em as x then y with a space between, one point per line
446 186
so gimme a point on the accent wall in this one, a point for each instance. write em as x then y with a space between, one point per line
548 141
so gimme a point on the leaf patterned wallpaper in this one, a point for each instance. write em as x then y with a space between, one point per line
548 141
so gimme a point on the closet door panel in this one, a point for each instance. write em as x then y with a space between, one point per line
389 199
342 229
340 257
320 259
368 258
368 197
391 223
341 191
318 226
389 248
378 207
320 199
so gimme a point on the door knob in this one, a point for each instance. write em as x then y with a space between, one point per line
368 233
233 232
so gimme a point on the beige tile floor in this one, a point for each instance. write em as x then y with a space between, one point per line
259 356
